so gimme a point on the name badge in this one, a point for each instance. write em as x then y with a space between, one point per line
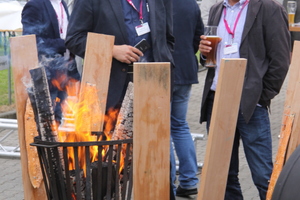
142 29
229 49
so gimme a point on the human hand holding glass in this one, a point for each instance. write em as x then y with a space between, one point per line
214 39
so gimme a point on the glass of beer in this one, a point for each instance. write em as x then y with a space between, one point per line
291 9
211 35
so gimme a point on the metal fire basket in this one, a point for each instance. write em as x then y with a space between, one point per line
102 179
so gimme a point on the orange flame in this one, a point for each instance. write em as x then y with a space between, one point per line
82 116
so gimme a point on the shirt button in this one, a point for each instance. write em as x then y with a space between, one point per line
123 70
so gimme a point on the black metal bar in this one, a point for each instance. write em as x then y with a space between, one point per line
67 173
100 173
77 174
109 171
88 173
117 174
43 163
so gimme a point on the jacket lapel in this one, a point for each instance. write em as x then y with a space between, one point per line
52 17
215 18
253 8
118 11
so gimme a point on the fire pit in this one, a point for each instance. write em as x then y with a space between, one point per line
110 177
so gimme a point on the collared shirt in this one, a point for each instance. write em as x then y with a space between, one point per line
62 17
231 16
132 19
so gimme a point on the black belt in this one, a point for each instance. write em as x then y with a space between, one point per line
130 68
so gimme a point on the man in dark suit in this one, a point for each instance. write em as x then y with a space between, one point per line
129 21
258 31
188 27
48 20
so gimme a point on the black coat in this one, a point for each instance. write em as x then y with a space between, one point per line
188 27
106 17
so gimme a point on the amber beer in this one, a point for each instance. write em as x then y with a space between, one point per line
211 57
291 10
291 18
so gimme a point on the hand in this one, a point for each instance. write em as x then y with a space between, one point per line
126 53
204 46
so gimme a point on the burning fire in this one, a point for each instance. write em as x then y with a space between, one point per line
81 117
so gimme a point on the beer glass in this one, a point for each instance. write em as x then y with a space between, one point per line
211 35
291 9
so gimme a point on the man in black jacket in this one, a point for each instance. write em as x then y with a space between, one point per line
258 31
129 21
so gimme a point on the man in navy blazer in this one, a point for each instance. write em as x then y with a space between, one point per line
39 18
121 19
48 20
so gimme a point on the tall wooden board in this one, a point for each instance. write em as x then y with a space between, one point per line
97 66
222 129
151 132
291 105
24 57
290 129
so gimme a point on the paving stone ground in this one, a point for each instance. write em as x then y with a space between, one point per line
10 169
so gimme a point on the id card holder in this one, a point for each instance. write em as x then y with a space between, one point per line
229 49
142 29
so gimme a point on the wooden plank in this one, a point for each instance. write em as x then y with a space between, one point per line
291 104
24 57
97 66
281 153
222 129
295 110
151 108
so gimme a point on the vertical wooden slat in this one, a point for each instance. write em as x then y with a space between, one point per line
151 140
24 57
222 129
291 105
97 66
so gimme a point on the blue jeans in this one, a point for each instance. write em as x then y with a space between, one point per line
257 142
182 139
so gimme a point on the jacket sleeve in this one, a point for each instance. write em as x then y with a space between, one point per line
278 49
80 23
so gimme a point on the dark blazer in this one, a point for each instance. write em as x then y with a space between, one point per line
188 27
106 17
39 18
266 45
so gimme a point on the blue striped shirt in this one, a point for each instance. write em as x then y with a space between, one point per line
231 16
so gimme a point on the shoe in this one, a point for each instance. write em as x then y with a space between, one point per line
180 192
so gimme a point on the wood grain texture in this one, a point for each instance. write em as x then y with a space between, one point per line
222 129
151 140
97 66
24 57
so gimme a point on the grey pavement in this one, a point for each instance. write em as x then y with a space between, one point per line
10 168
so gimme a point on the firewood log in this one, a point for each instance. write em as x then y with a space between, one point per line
34 169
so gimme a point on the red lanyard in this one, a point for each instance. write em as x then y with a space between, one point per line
62 17
231 32
60 23
141 9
